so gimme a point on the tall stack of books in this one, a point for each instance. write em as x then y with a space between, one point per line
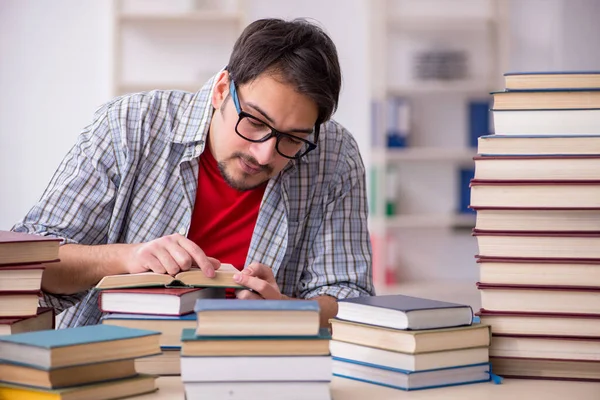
163 303
92 362
256 349
537 196
409 343
22 258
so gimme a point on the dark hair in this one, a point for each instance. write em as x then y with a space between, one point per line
300 52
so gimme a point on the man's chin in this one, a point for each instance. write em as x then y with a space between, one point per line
244 183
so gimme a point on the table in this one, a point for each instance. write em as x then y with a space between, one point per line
171 388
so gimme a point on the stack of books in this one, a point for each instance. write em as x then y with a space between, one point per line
409 343
256 349
22 258
92 362
163 303
537 196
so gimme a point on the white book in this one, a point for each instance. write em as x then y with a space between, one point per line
257 390
288 368
547 122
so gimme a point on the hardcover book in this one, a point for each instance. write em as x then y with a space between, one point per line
23 248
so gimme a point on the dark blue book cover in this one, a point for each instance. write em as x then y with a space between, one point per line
400 302
479 120
464 191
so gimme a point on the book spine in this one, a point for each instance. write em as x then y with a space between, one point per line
398 121
479 120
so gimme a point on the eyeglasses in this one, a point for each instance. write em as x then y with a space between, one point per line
256 131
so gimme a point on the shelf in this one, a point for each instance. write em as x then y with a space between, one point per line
423 154
429 24
193 16
440 87
426 221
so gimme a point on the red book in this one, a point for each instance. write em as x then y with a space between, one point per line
43 320
155 301
21 277
22 248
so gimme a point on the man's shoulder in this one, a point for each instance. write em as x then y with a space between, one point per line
154 101
335 138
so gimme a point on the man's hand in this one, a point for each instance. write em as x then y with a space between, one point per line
169 255
259 278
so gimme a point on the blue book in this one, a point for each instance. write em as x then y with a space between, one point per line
529 145
552 80
479 120
411 380
404 312
232 317
464 190
78 346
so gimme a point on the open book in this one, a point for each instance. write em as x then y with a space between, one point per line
192 278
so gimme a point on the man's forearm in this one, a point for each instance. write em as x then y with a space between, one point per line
81 267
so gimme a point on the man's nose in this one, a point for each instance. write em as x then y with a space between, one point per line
264 152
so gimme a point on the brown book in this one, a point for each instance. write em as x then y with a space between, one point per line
192 278
168 363
170 327
22 248
548 347
540 368
535 194
407 341
43 320
524 244
546 99
540 299
115 389
537 219
541 324
538 168
19 304
501 145
68 376
21 277
552 80
551 272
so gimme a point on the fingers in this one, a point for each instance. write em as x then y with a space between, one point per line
244 294
166 261
202 261
261 271
261 286
215 263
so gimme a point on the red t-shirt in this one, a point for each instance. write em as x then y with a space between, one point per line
223 218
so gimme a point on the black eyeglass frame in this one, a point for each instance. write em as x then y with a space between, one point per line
310 146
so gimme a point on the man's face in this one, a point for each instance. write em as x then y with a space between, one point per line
243 164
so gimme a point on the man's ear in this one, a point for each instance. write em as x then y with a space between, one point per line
221 89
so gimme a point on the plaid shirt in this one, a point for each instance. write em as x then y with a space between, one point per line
132 177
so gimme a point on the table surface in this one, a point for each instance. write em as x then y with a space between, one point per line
171 388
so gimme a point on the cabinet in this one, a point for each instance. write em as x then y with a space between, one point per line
177 44
433 64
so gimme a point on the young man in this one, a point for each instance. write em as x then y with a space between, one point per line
249 171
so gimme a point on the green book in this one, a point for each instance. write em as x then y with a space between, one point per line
78 346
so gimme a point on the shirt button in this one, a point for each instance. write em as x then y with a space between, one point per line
182 232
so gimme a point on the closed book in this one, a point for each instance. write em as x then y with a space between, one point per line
404 312
43 320
161 301
115 389
541 324
524 244
257 317
168 363
78 346
256 369
407 380
68 376
535 194
170 327
193 345
547 122
21 277
546 99
552 80
19 303
540 299
539 368
192 278
552 347
499 145
411 341
537 219
540 272
408 362
258 390
23 248
538 168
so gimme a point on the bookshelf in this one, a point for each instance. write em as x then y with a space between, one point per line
433 63
177 44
